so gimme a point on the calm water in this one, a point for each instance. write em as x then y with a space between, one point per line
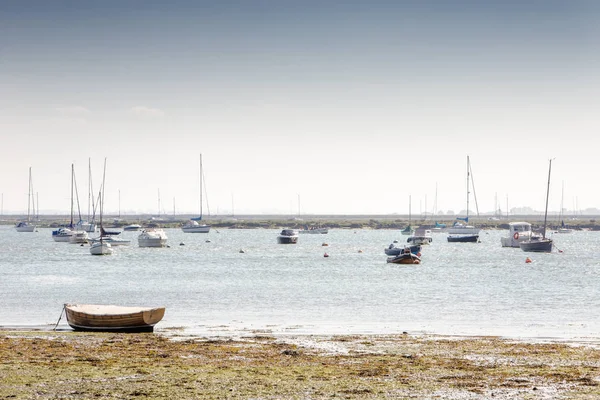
212 288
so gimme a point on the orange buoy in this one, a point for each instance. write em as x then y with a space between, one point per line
528 260
360 251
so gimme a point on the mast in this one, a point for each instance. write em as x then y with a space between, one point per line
89 187
72 179
200 185
468 178
101 199
29 196
409 210
547 195
158 203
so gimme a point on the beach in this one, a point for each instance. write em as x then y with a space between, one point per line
73 365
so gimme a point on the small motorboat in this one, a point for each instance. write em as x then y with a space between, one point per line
288 236
98 317
405 258
152 238
395 251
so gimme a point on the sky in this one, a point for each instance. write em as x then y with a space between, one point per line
311 107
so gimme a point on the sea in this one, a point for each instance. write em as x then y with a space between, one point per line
240 281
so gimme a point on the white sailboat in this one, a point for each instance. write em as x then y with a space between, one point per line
28 226
408 230
64 234
101 248
563 228
463 232
194 225
536 243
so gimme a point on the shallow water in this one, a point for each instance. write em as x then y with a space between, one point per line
212 288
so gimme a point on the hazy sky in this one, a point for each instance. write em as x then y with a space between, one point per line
350 106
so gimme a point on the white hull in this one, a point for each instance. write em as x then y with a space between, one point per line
61 238
112 241
152 242
26 228
79 237
315 231
101 249
156 238
132 227
463 230
517 232
196 229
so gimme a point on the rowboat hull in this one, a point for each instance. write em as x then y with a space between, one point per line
96 317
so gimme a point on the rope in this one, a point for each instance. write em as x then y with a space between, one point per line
59 318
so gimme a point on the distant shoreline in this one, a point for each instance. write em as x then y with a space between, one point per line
255 221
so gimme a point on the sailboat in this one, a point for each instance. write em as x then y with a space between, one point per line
90 224
408 230
193 225
27 226
101 247
64 234
540 244
563 228
462 232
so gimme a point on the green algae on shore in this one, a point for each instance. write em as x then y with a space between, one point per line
97 365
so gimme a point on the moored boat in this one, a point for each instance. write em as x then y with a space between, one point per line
193 226
421 236
463 232
287 236
392 250
132 227
406 257
540 244
79 237
101 248
28 226
62 235
314 230
98 317
517 232
112 240
152 238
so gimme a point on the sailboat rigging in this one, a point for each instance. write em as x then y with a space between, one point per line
192 226
463 232
27 226
101 247
408 230
543 244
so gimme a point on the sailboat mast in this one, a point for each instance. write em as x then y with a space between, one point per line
200 185
547 195
409 209
72 179
102 194
468 179
29 196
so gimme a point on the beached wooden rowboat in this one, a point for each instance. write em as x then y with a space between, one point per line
99 317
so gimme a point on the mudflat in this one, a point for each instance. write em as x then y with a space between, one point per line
72 365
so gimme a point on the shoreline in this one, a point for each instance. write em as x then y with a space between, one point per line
68 364
220 332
